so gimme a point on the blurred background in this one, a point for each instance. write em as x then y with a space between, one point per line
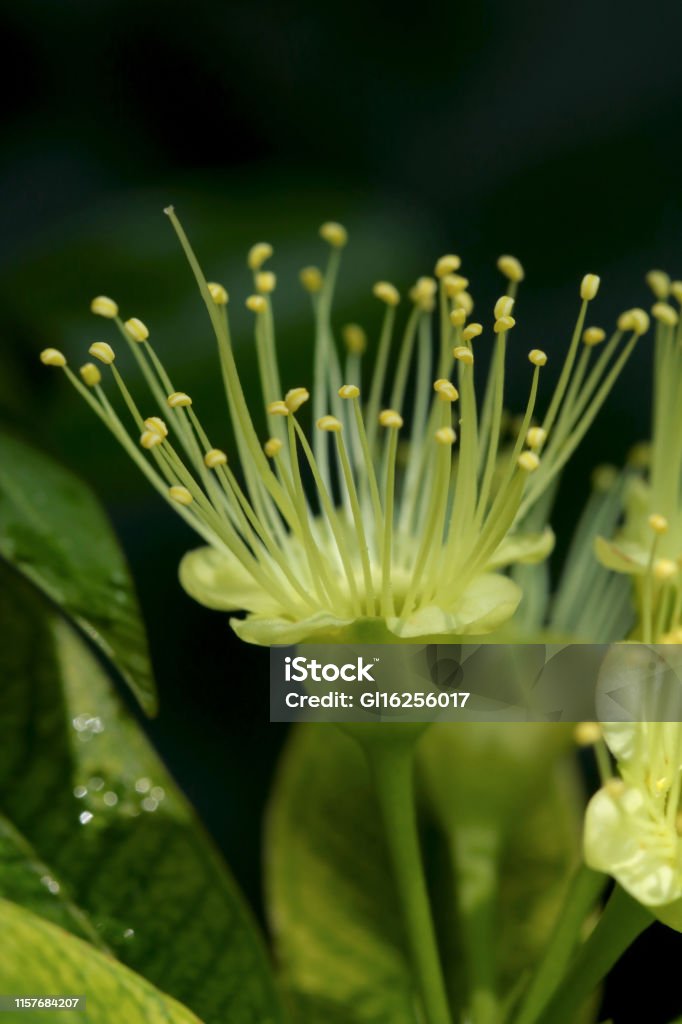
546 130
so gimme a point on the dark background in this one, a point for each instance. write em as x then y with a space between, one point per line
546 130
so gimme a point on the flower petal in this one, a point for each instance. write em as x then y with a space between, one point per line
620 840
527 548
269 631
486 603
219 581
622 556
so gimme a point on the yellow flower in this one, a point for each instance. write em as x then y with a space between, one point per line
345 529
632 824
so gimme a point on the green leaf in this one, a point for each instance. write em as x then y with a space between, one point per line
93 809
333 905
53 530
41 959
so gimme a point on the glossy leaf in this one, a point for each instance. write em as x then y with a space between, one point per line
334 908
54 532
92 808
41 959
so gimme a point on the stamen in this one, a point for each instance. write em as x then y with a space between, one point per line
335 234
659 282
266 282
102 351
52 357
391 419
511 268
136 329
218 293
272 447
295 398
447 265
258 254
215 457
665 314
311 279
256 303
90 374
472 331
102 305
593 336
181 495
179 400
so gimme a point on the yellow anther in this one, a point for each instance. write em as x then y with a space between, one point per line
658 523
676 290
505 323
665 569
586 734
511 268
256 303
90 374
589 286
311 279
349 391
447 265
537 357
272 446
215 457
150 439
472 331
278 408
181 495
635 320
463 355
102 305
266 282
593 336
446 390
615 788
102 351
503 306
423 292
136 329
458 317
639 455
464 301
390 418
528 462
52 357
603 478
295 398
454 284
258 254
664 313
218 293
156 425
330 424
333 233
662 785
659 282
445 435
178 400
355 338
388 293
536 437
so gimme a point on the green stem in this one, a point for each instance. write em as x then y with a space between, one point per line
475 852
581 896
621 923
391 767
